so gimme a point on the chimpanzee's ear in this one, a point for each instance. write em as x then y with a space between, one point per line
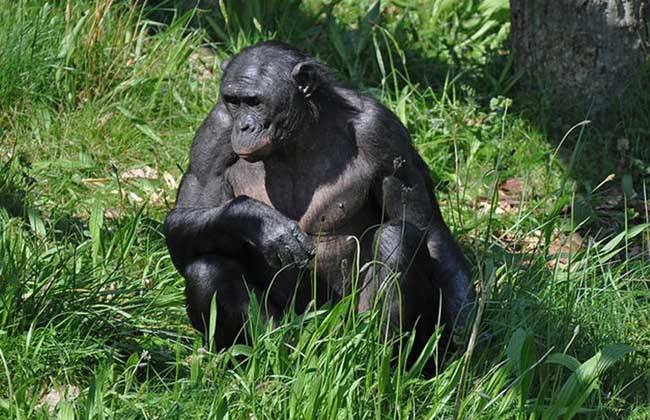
306 77
224 64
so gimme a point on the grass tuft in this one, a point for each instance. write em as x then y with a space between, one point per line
98 104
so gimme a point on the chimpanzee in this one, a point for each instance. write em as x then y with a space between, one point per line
288 174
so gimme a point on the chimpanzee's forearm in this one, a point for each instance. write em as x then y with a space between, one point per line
192 231
453 274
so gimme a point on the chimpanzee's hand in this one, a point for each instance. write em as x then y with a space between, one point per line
284 243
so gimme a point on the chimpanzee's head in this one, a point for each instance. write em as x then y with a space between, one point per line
268 90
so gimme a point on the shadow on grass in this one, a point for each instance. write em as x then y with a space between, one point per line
15 183
566 311
353 49
615 141
606 155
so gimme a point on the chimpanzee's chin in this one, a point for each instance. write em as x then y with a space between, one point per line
256 155
252 158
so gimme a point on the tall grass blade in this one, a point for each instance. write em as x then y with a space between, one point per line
583 381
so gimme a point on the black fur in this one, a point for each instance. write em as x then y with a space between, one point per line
285 168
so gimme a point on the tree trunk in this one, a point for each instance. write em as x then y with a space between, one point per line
579 53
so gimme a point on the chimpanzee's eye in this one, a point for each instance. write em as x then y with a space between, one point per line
231 100
251 100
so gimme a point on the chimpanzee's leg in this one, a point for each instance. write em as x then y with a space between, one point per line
227 277
451 276
399 280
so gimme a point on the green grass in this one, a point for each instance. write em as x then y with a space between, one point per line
92 310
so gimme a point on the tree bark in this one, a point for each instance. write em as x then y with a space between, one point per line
579 53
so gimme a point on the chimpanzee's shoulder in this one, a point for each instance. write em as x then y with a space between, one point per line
377 130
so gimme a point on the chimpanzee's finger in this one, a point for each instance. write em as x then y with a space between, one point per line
285 256
303 239
307 245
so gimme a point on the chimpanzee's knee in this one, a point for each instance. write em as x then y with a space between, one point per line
397 269
397 245
398 282
212 275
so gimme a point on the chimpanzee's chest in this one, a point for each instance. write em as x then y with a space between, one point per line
323 200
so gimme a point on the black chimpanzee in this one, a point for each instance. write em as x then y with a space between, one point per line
288 166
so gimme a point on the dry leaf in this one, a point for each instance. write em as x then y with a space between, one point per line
106 294
55 395
146 172
134 198
512 186
6 155
562 247
96 181
157 198
170 180
202 61
112 214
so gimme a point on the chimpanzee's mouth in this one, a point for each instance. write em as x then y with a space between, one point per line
256 154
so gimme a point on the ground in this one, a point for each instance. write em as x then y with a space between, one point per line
98 105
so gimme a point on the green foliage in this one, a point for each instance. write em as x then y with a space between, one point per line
583 381
98 105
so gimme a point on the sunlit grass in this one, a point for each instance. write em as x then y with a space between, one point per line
98 106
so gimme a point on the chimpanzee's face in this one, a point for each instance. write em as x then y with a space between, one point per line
264 102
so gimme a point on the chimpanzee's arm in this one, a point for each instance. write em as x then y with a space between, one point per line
407 196
405 191
208 219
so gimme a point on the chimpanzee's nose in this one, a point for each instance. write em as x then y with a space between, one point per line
246 123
